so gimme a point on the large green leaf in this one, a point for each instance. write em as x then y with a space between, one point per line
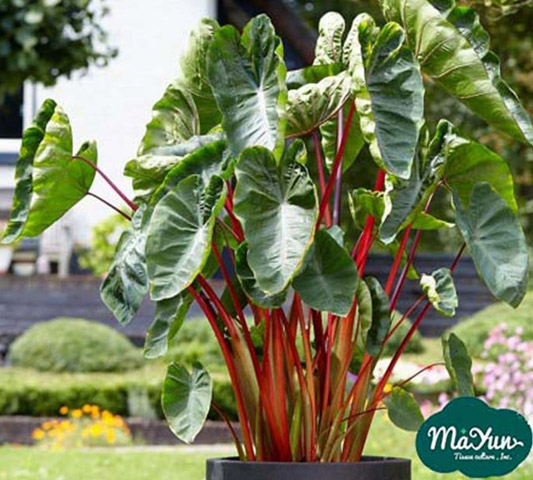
180 233
247 76
459 365
496 241
467 162
194 73
169 317
313 104
174 120
31 139
389 94
277 207
208 161
149 170
452 158
186 400
126 283
59 181
403 410
329 45
381 319
249 283
440 290
453 50
328 280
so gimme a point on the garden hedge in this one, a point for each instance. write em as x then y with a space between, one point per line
27 392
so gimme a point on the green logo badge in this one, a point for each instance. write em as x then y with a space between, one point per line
473 438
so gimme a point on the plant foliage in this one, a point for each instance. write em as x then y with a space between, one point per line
223 184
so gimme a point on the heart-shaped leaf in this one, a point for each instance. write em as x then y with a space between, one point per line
403 410
453 50
496 241
180 233
277 207
381 319
31 139
58 180
440 290
459 365
247 76
389 93
329 45
328 280
249 284
186 400
126 283
310 106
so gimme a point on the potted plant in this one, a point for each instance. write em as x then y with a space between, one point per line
223 166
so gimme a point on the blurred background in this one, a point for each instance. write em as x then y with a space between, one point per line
106 62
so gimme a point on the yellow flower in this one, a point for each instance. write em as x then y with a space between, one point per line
111 436
38 434
77 413
63 410
96 430
47 425
388 388
87 408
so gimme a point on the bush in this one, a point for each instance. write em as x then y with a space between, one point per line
476 329
74 345
27 392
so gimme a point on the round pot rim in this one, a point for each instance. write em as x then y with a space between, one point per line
365 460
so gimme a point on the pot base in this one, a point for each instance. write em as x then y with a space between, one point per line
369 468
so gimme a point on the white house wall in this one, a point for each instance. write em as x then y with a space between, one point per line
113 104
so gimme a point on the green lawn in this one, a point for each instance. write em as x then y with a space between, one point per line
179 463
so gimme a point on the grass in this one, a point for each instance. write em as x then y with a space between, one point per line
182 463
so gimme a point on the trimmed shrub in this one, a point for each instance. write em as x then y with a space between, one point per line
74 345
476 329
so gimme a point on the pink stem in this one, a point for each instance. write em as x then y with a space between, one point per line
119 192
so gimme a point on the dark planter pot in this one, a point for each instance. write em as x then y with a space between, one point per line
369 468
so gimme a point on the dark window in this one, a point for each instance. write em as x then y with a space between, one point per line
11 116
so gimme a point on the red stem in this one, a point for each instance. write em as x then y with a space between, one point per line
338 181
109 204
336 166
398 260
119 192
321 176
211 317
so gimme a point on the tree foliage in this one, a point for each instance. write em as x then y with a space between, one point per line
43 40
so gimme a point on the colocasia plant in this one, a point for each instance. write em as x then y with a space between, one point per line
222 183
